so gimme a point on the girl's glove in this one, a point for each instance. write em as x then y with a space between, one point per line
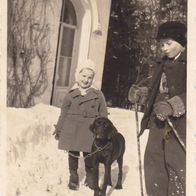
172 107
162 110
137 94
177 106
56 133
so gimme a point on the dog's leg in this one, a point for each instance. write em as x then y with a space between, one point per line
120 164
106 178
109 177
96 178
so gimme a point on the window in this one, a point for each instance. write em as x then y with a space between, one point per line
66 42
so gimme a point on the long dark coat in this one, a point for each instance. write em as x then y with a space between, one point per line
77 114
160 155
176 80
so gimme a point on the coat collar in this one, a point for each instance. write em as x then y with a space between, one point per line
75 86
181 59
183 56
92 93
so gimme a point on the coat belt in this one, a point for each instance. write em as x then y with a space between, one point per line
84 114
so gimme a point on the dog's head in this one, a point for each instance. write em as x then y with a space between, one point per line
103 128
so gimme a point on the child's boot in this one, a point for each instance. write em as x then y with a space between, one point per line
73 167
89 181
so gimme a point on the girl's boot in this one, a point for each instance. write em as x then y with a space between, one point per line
89 181
73 167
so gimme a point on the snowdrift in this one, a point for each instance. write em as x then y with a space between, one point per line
36 167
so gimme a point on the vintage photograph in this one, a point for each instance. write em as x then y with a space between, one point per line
96 98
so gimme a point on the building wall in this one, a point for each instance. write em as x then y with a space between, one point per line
53 19
98 43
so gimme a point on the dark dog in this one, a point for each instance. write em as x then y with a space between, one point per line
108 146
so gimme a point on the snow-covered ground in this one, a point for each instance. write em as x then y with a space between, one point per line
35 167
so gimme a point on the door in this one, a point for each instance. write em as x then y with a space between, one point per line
64 60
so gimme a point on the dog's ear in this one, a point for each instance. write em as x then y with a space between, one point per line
113 130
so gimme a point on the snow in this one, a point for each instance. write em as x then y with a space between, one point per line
36 167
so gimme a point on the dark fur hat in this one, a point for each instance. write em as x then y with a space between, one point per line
174 30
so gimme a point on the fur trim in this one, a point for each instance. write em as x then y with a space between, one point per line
177 106
174 30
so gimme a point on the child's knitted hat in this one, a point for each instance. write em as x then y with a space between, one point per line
89 64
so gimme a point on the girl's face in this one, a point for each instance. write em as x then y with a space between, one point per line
85 78
170 47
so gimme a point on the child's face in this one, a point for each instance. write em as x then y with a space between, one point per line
170 47
85 78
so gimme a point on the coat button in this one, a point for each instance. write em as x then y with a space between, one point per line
84 114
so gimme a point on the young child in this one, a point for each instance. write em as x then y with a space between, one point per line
82 104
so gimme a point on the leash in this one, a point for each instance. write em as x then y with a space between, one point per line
98 149
176 134
139 150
